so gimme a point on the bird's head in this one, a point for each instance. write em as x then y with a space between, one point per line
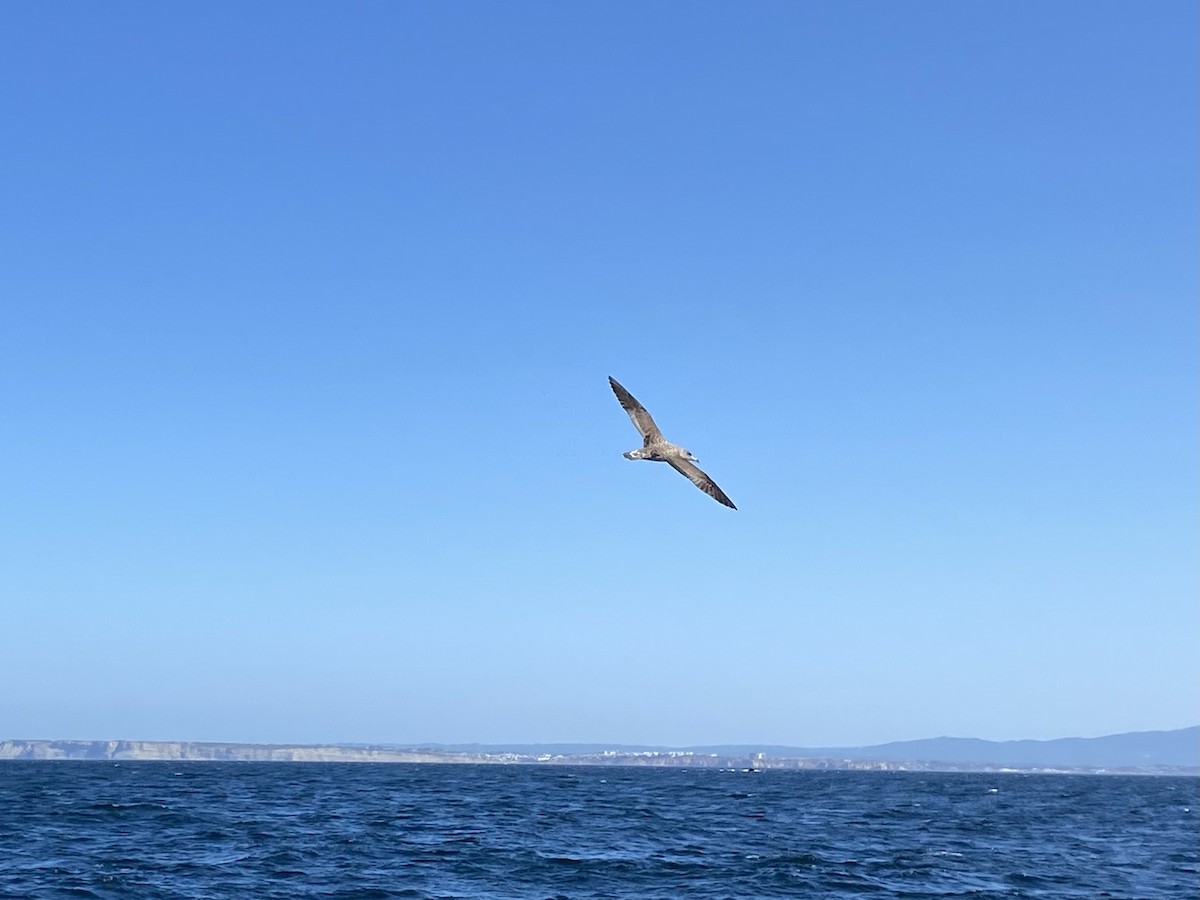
687 454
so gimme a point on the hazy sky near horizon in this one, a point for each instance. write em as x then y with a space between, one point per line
307 313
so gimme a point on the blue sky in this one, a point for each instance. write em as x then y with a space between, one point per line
308 312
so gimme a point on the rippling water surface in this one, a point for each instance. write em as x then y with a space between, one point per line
266 830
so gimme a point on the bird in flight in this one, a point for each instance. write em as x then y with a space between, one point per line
657 448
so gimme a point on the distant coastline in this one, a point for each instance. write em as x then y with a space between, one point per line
1155 752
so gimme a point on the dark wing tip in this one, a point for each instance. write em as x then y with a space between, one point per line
623 395
711 488
700 479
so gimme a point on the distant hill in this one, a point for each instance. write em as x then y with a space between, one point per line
1136 749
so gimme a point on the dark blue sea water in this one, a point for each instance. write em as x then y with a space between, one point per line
267 830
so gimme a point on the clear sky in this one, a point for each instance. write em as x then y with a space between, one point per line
306 314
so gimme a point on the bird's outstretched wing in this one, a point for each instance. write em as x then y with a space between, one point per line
641 419
696 476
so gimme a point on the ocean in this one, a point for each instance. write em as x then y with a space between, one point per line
360 831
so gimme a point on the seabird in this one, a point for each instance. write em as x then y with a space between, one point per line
657 448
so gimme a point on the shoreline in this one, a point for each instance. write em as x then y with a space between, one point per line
219 751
